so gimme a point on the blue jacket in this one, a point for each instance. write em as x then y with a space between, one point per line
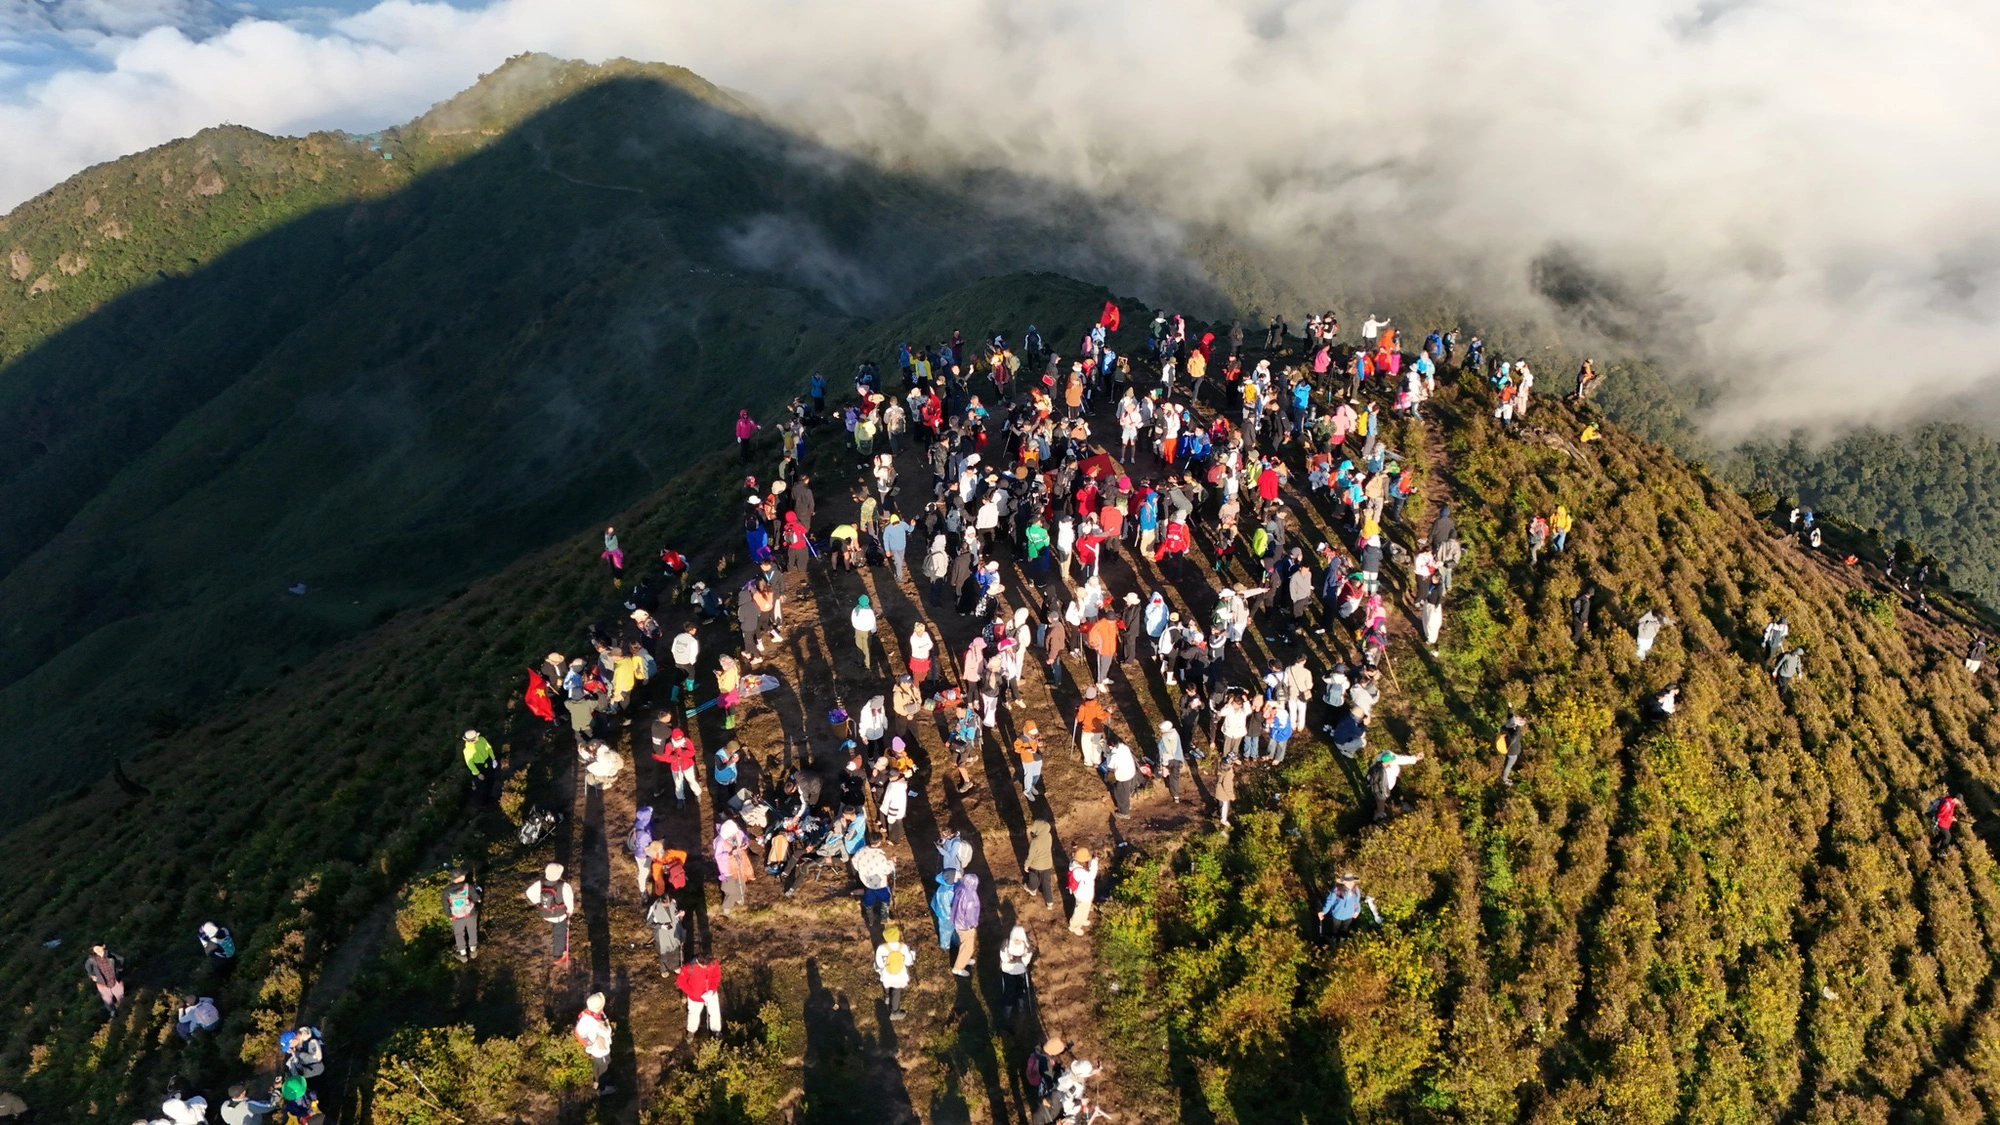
1342 906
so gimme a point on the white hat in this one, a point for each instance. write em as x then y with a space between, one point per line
552 872
1081 1068
471 735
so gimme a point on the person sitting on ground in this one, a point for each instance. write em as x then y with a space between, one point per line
216 941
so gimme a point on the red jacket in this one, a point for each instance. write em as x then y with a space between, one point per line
677 753
696 980
1173 541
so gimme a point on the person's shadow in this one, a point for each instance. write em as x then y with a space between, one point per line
845 1079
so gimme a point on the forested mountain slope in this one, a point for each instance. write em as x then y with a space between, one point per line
382 367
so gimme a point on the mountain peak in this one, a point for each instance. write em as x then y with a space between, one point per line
528 83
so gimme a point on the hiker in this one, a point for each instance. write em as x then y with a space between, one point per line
1663 704
593 1031
485 767
728 686
1091 719
195 1014
1387 770
1038 869
1342 906
1103 638
1028 748
746 429
1538 537
701 986
1043 1068
1123 772
669 932
1774 638
1508 743
1648 629
877 873
184 1111
1790 666
1224 790
1015 957
461 905
965 921
638 842
242 1109
297 1102
1560 525
863 619
1072 1096
893 962
942 897
731 851
601 764
675 750
305 1052
1579 614
106 970
1350 734
1975 654
1943 814
894 805
1167 750
216 942
554 899
1083 888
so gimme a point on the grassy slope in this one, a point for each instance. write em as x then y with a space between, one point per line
291 814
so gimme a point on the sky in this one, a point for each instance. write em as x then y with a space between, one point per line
1810 184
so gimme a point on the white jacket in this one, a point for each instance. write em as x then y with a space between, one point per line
889 979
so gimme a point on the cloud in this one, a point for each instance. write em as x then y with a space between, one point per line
1808 186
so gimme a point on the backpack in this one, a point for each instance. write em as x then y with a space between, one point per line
893 964
550 902
461 900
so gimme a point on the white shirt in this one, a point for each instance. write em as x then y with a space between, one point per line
920 645
874 719
686 650
595 1032
863 618
1120 761
895 800
1086 880
1371 328
1393 769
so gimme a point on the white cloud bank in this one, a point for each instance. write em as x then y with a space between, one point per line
1813 183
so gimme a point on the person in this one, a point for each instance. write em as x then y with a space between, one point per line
479 758
669 932
297 1102
1560 526
1028 748
701 985
942 896
1124 773
896 541
601 764
1225 787
1579 613
106 969
637 842
1388 769
1083 887
1091 719
1944 813
1648 630
1790 666
305 1052
196 1013
184 1111
554 899
1342 906
461 905
216 942
746 429
1168 750
1774 638
1975 654
965 921
1103 637
675 750
1038 869
1664 703
731 851
1041 1072
863 619
893 962
1538 537
1072 1096
242 1109
1509 745
593 1031
877 873
1015 956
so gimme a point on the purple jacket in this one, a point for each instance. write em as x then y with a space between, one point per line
965 904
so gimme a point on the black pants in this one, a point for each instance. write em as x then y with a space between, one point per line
465 932
559 939
1043 883
1013 990
1121 797
895 999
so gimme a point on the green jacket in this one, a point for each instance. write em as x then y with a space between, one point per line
478 753
1038 540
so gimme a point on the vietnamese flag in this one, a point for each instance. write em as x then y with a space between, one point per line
1109 319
